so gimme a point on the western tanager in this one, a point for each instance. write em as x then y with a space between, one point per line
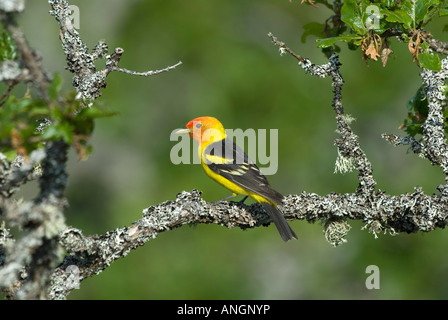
227 164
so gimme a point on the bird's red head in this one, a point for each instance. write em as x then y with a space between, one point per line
206 129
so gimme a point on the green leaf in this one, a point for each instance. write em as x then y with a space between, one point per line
430 61
419 103
10 155
352 15
417 113
419 11
95 112
422 7
411 13
59 131
409 7
387 3
55 87
444 10
313 29
56 114
400 16
445 90
8 50
18 122
327 42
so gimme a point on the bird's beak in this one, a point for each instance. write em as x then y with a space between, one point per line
183 131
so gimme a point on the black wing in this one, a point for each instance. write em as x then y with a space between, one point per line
238 168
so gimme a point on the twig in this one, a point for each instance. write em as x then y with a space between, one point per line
284 48
11 85
18 172
437 45
114 59
147 73
416 146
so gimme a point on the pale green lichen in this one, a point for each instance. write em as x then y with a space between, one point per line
343 164
335 231
347 118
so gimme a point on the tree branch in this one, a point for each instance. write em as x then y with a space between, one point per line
437 45
18 172
28 262
31 259
90 255
436 148
416 146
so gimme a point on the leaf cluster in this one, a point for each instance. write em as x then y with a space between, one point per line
8 50
26 123
368 24
365 23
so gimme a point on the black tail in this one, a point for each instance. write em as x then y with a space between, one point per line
280 222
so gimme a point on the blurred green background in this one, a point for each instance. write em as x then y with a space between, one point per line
232 71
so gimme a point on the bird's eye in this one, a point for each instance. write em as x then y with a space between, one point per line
198 125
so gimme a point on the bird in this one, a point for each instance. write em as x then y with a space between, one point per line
226 163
